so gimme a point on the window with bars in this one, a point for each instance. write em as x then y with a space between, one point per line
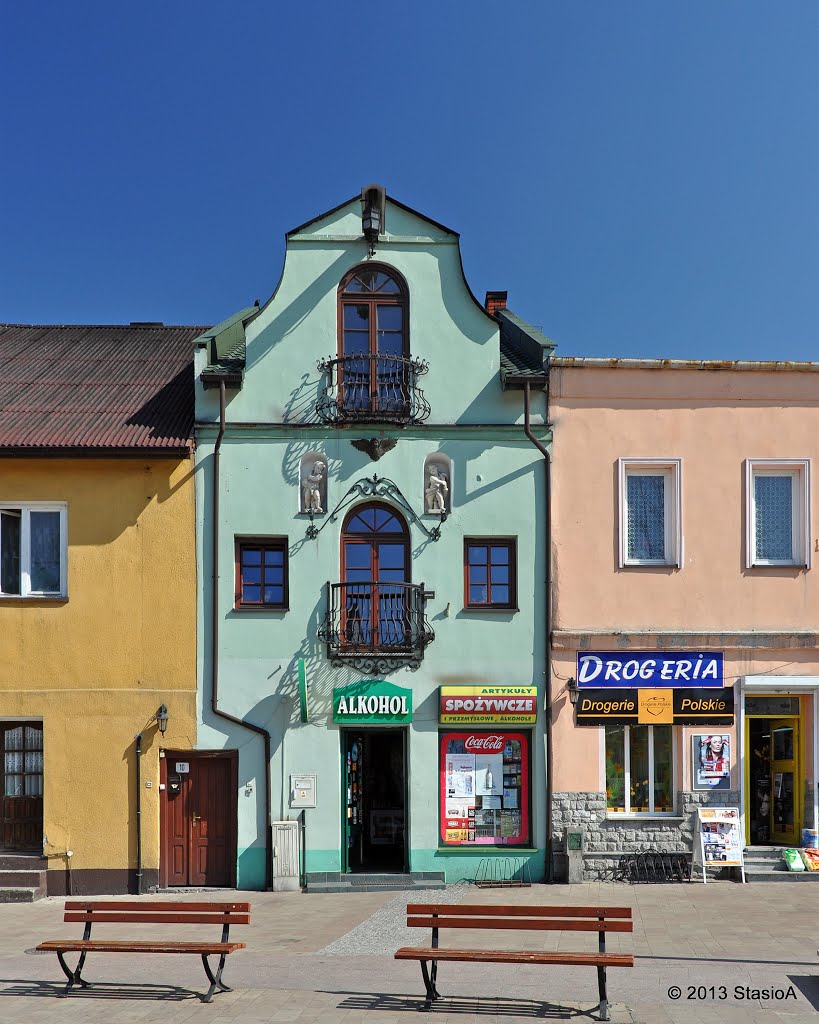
33 550
261 573
22 759
639 769
777 502
490 570
650 512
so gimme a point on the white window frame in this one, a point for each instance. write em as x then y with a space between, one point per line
627 774
799 471
26 508
671 471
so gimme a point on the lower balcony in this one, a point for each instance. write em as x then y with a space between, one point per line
376 626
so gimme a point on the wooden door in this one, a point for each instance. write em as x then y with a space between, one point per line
21 805
199 819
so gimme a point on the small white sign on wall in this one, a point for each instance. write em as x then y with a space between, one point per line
303 790
183 767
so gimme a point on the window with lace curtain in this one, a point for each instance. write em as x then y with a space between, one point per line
650 515
33 542
777 502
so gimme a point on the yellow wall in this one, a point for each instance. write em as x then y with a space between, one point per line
96 666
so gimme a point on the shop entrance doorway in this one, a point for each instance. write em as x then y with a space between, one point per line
374 800
774 775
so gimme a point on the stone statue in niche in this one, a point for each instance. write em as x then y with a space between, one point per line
314 487
436 493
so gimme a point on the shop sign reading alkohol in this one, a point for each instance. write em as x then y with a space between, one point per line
621 669
656 707
488 705
373 702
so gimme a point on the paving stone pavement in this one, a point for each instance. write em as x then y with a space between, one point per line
328 958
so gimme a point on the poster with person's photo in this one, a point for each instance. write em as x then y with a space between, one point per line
711 761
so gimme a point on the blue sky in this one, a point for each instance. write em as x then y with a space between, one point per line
640 175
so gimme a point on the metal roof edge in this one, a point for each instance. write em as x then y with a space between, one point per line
355 199
739 365
529 329
245 315
98 452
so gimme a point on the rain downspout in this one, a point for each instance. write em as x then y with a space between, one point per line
547 500
214 633
138 741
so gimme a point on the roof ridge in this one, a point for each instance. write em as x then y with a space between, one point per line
133 326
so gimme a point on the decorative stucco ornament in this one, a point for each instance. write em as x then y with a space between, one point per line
375 447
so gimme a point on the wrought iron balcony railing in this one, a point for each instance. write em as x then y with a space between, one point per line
372 389
376 620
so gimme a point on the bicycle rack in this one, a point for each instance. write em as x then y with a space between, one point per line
503 873
654 866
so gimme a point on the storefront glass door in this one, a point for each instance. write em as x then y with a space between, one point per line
784 781
773 772
375 800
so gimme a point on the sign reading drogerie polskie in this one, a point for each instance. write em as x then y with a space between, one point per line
625 707
649 669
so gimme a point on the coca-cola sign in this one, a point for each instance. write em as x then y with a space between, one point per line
490 743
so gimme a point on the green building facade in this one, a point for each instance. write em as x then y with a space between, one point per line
375 514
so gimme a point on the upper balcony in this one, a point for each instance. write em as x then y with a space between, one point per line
368 388
376 624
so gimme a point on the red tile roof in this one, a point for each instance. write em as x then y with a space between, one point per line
96 389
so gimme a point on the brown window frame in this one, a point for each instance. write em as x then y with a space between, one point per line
511 544
277 543
372 300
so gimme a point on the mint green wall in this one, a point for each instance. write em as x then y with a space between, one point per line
497 490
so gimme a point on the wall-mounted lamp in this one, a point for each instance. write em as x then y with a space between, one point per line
373 211
573 689
161 718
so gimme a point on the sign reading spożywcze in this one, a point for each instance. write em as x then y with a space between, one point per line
649 669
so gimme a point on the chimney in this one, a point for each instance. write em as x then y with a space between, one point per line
495 301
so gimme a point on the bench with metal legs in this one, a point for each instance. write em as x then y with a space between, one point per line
500 918
149 912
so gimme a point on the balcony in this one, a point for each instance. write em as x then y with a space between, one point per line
376 626
372 389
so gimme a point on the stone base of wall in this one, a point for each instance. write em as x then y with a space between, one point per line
607 840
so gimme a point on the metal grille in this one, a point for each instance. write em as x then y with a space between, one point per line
773 500
370 388
375 618
646 517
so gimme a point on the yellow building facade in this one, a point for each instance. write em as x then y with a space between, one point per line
97 632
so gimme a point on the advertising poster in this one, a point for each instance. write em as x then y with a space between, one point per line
484 788
711 761
719 841
460 775
489 775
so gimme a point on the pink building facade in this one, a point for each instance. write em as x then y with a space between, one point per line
685 603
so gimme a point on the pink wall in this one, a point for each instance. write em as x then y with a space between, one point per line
713 421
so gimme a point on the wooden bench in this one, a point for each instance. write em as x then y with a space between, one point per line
149 912
495 918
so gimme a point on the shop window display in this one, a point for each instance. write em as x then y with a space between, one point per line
484 789
639 769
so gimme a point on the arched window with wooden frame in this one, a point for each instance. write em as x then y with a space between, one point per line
373 342
375 573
